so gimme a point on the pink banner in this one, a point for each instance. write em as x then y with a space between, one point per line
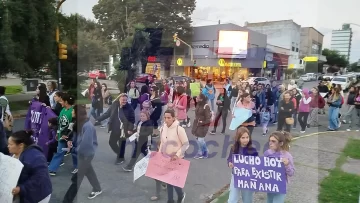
163 169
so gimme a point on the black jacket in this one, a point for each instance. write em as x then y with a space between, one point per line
126 115
146 130
225 104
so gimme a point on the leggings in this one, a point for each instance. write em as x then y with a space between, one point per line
223 115
303 117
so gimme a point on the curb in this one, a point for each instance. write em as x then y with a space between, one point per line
295 138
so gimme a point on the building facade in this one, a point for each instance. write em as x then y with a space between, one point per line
277 59
341 40
284 33
222 51
311 43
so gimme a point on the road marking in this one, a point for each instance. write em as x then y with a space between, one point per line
318 133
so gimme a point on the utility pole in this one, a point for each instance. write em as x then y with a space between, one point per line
57 36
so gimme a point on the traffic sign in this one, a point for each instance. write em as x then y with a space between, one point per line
179 62
178 42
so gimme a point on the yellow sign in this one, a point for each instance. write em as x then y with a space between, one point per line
310 59
291 66
264 64
179 62
223 63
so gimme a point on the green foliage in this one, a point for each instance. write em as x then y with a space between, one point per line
334 58
27 35
354 67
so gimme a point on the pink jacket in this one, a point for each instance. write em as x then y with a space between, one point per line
180 105
304 105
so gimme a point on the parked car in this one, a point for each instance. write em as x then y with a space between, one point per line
259 80
142 77
312 76
180 78
344 81
306 77
97 74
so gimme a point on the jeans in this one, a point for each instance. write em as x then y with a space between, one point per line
85 169
74 157
275 198
203 150
303 117
134 103
170 191
276 112
282 123
234 194
212 104
233 100
58 157
104 122
295 119
95 113
116 144
333 118
264 126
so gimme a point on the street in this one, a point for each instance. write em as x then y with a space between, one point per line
206 176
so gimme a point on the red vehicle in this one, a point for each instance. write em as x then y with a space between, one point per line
142 77
97 74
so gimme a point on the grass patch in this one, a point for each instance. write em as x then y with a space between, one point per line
13 89
339 187
224 198
352 149
19 105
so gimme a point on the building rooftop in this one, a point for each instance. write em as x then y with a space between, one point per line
269 23
313 29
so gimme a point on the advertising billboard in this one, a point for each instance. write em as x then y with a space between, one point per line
233 44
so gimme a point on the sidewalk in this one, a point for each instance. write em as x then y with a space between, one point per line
315 156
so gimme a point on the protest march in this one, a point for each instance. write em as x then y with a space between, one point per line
56 126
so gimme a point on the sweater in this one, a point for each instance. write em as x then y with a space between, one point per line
86 140
290 168
34 181
173 140
246 151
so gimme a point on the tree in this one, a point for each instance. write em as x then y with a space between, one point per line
121 20
334 58
27 35
354 67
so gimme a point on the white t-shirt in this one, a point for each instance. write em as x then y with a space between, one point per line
7 108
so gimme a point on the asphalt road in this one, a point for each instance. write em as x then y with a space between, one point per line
205 176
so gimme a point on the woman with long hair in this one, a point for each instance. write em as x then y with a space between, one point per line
201 125
34 184
41 95
180 105
334 102
223 103
97 102
144 95
107 99
317 102
157 108
247 103
51 87
286 109
84 133
133 94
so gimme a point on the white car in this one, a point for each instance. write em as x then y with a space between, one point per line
305 77
259 80
343 81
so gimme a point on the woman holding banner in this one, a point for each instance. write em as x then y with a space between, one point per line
173 142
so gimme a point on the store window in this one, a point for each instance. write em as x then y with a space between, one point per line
217 74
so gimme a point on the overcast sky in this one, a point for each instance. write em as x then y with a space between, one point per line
324 15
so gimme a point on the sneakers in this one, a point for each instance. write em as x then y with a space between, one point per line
103 126
198 156
182 199
92 195
52 173
62 163
119 161
127 168
74 171
188 124
264 134
302 132
213 132
67 154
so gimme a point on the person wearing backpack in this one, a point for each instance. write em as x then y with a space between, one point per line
180 105
209 91
173 143
6 116
134 95
201 125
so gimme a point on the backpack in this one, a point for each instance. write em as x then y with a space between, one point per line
7 119
211 112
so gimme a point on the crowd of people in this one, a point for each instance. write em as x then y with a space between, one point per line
164 113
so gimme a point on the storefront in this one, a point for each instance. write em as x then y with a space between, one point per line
153 66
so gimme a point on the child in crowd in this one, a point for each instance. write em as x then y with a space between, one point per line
52 143
279 145
243 146
265 119
143 132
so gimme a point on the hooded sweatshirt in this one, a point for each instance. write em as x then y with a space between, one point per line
174 140
86 140
290 168
34 182
304 105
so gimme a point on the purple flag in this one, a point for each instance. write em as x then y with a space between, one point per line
261 174
37 120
